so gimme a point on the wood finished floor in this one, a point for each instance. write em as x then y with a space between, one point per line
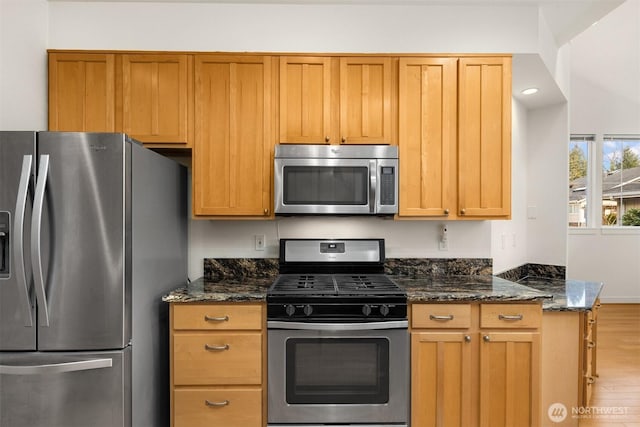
618 366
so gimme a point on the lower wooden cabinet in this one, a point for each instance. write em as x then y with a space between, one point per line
218 365
568 362
475 365
215 407
441 364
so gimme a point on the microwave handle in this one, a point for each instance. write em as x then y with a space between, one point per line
373 183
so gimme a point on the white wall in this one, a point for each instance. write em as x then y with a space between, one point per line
605 98
509 238
23 64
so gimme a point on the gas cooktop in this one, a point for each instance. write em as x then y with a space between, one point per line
333 281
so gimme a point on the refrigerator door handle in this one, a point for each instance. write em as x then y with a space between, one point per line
56 368
18 240
36 233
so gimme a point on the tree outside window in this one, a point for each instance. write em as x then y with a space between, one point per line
578 179
621 180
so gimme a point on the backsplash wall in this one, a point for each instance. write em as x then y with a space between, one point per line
403 239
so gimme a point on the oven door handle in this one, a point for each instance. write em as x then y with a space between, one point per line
395 324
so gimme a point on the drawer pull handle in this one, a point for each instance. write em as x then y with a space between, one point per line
216 319
216 347
510 317
441 318
591 345
486 338
216 404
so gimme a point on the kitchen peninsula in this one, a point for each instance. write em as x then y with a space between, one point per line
464 306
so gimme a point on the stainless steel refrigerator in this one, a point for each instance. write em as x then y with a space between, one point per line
93 231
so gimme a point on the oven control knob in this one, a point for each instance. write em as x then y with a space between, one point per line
308 310
384 309
366 309
289 309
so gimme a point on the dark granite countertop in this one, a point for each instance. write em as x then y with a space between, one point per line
481 288
568 295
419 289
246 289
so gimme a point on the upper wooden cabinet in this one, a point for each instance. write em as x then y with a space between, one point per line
233 144
305 99
148 96
455 137
335 100
427 136
157 96
484 137
82 92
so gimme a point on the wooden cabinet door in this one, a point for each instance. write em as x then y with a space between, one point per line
232 153
365 100
427 136
305 99
440 384
510 379
155 97
484 137
81 92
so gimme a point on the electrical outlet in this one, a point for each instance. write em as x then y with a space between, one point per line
259 242
443 243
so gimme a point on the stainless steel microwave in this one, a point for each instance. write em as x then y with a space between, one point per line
338 180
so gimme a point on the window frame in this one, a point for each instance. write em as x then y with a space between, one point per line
594 192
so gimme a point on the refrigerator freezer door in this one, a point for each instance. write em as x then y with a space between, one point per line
65 389
81 246
17 308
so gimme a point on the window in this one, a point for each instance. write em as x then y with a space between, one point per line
579 149
604 181
621 180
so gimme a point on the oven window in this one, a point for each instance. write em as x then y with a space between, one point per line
337 370
322 185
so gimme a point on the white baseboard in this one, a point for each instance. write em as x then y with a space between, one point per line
620 300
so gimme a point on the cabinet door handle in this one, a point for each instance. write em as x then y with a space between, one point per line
216 404
216 319
266 211
344 140
463 211
467 338
441 318
327 139
486 338
510 317
216 347
446 211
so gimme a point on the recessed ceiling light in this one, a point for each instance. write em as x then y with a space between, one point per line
530 91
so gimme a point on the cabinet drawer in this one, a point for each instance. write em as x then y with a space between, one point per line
510 315
213 407
217 358
213 317
440 315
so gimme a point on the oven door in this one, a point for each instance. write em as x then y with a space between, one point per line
338 373
325 186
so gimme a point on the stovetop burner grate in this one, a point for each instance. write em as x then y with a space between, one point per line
329 284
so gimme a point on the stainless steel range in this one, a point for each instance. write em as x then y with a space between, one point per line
338 344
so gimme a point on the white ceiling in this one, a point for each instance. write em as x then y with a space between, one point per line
565 18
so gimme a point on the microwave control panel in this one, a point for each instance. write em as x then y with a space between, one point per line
387 185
